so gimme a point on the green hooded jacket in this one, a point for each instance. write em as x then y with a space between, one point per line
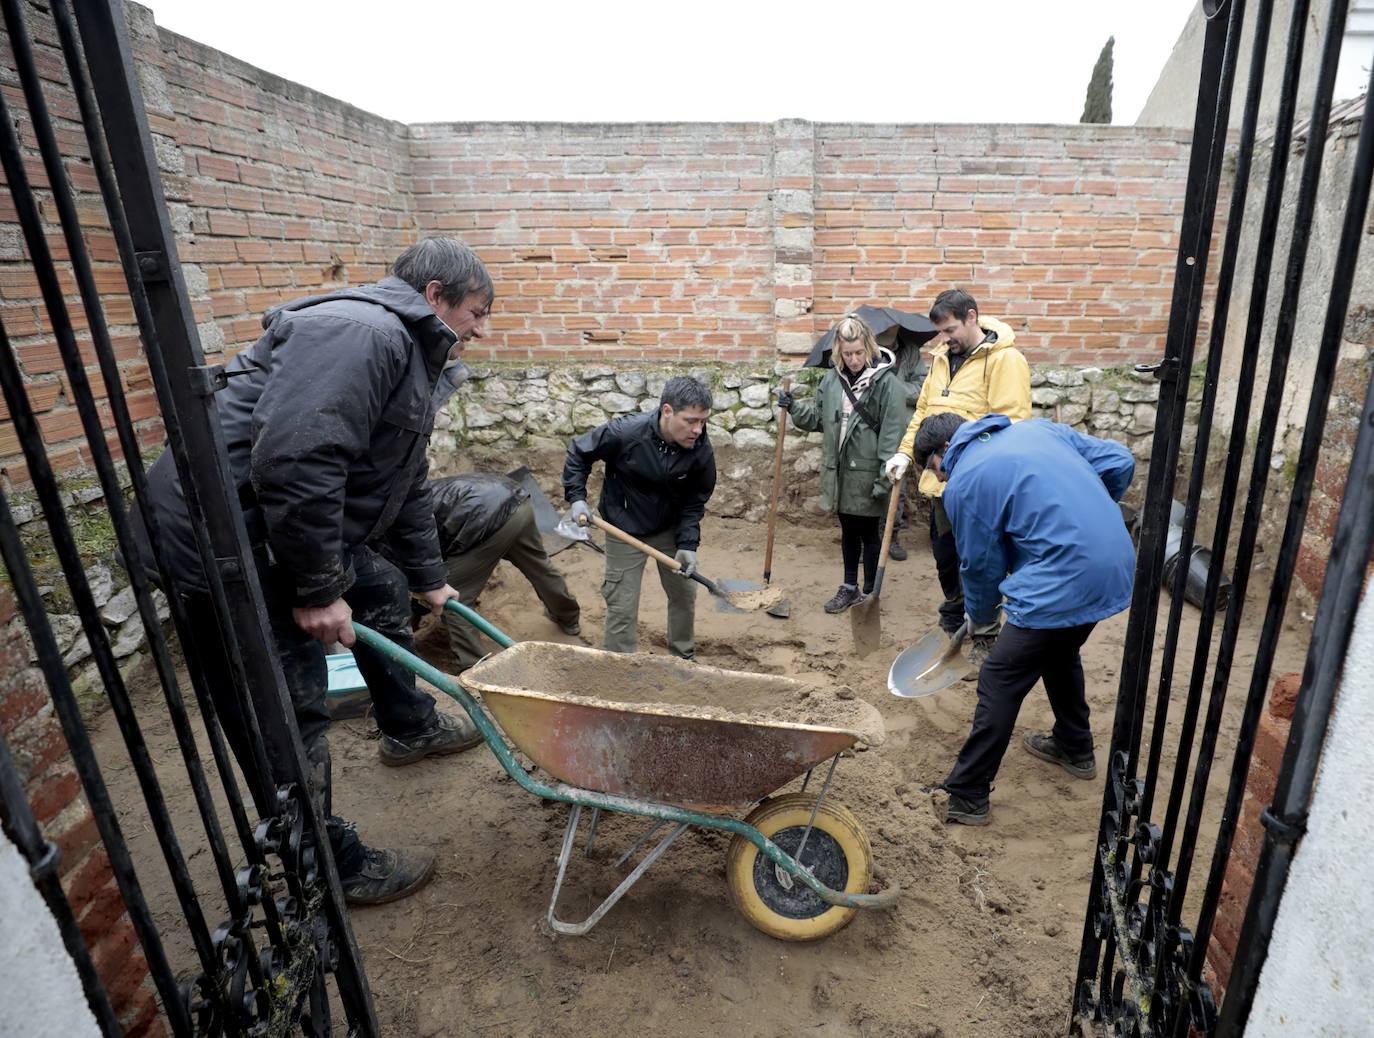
852 479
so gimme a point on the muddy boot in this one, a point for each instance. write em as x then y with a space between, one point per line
844 598
449 735
388 875
896 551
1044 746
968 812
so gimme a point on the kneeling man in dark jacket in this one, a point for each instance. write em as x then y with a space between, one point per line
1039 533
660 472
483 519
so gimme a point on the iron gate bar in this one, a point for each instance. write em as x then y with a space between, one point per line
62 18
1336 608
202 467
11 157
1320 394
1197 478
16 817
80 388
1215 81
64 701
1153 843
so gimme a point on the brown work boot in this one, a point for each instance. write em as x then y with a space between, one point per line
448 735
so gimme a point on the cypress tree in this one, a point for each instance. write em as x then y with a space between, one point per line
1097 108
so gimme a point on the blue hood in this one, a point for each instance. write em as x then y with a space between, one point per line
1033 506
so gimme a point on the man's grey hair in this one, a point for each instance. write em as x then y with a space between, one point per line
447 261
684 391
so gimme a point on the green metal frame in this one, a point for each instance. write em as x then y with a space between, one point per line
605 801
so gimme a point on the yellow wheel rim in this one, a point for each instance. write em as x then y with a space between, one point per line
837 852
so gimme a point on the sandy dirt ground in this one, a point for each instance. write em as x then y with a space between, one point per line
983 941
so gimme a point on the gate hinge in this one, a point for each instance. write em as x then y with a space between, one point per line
152 265
1285 830
207 379
1165 371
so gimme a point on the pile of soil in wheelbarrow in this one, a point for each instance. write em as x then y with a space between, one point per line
663 685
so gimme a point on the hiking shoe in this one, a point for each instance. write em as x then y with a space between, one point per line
449 735
896 551
388 875
968 812
1044 746
574 628
847 596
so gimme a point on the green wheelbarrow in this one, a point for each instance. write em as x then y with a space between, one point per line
799 865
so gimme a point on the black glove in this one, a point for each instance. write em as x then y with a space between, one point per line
785 399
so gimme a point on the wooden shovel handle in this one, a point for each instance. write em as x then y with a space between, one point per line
887 537
777 485
655 554
635 542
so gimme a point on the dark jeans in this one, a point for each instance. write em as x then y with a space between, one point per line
860 533
946 568
379 599
1020 658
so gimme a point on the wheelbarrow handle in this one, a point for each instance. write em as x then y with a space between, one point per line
479 621
653 553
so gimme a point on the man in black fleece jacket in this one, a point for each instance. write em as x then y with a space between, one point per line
660 472
326 423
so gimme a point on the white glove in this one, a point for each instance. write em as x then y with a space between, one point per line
580 513
896 466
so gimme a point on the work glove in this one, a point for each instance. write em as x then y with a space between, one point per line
580 512
896 466
785 399
687 560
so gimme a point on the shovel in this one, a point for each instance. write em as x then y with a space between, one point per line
744 601
866 617
932 664
782 610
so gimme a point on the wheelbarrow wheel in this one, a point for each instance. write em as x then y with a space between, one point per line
837 853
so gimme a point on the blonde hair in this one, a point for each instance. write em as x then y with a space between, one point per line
853 328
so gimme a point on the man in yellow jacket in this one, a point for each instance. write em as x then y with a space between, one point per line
976 370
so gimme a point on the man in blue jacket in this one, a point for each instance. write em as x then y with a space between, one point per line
1033 508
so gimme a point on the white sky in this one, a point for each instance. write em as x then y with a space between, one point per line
712 60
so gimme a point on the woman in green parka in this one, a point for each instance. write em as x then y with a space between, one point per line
860 410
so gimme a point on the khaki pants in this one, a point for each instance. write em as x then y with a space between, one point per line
519 543
620 589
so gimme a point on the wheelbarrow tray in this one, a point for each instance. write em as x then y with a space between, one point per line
662 729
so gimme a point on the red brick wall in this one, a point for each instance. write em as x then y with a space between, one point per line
1067 232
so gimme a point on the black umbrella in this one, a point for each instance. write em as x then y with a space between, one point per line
889 325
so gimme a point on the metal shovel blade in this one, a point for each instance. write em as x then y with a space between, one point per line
866 620
926 667
745 596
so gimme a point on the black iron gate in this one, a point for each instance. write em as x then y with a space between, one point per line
263 968
1140 968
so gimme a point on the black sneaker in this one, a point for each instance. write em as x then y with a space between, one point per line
896 551
844 598
449 735
968 812
1043 745
388 875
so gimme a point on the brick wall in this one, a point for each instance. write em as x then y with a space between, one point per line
744 241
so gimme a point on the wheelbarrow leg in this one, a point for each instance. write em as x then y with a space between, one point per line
783 878
569 837
591 836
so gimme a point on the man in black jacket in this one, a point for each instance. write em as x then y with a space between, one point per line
326 425
660 472
483 519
